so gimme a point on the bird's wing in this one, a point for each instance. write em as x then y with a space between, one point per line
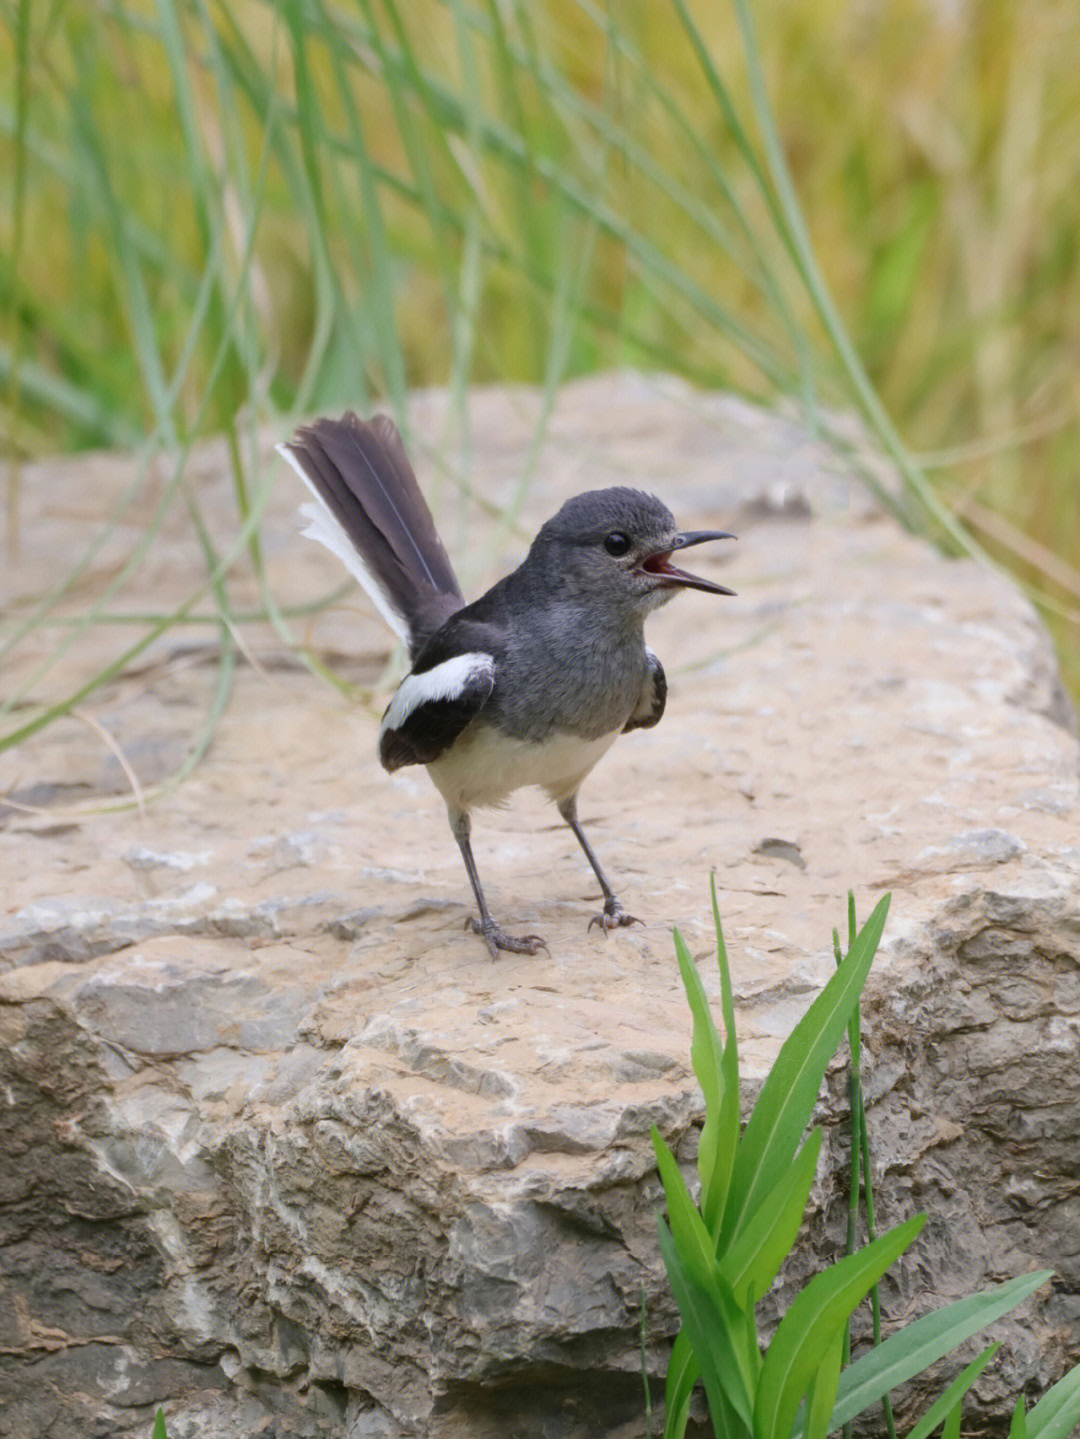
653 696
431 707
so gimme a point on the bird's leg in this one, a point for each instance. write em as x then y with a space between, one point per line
494 937
613 913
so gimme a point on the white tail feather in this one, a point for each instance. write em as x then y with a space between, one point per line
323 526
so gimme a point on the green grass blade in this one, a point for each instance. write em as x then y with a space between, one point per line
729 1119
81 406
682 1375
305 173
379 262
159 1426
695 1249
218 704
792 228
727 995
695 210
789 1093
120 663
415 91
692 1240
924 1341
1057 1413
712 1335
944 1406
504 144
150 528
149 533
822 1392
1018 1429
814 1323
753 1260
706 1056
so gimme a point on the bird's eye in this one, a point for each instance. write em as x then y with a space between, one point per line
617 543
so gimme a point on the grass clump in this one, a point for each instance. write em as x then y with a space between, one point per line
723 1253
219 215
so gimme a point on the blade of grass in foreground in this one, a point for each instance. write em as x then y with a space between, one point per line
706 1057
729 1120
924 1341
682 1375
813 1323
722 1372
1017 1429
822 1391
1057 1413
754 1259
695 1253
942 1407
790 1092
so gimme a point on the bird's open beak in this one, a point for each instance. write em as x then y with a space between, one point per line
672 578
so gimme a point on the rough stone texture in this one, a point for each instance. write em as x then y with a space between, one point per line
287 1152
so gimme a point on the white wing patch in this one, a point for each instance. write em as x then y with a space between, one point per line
443 682
324 527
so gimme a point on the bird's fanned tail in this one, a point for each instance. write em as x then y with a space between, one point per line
372 516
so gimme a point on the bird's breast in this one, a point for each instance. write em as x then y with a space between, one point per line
569 676
485 765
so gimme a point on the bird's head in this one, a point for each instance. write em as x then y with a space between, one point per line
618 545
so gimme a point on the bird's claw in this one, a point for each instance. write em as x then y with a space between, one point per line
495 939
613 916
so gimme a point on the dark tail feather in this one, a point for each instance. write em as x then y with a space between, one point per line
381 525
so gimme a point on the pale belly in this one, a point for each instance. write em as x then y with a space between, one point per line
484 766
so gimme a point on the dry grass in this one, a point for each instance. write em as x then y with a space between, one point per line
212 211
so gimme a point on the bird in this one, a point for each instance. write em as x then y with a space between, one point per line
534 681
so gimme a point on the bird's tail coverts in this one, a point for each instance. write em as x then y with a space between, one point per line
372 515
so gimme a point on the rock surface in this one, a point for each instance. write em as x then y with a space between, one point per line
286 1152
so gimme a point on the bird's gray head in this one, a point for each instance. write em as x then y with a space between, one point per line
616 545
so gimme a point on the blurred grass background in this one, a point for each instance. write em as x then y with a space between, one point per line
217 215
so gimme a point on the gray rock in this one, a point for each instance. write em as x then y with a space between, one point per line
287 1153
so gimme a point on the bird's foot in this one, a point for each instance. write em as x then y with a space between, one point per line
613 916
495 939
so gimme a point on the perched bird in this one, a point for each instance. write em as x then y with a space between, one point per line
534 681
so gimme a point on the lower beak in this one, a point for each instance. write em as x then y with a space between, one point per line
661 566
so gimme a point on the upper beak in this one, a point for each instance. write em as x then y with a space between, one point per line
660 563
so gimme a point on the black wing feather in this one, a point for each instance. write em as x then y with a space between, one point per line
653 697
